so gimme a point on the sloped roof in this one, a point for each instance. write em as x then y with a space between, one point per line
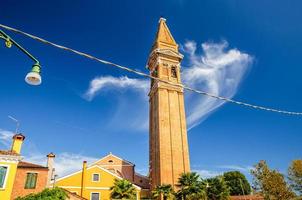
23 164
114 156
247 197
9 153
75 196
101 168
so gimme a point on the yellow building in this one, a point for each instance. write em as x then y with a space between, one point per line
9 160
93 182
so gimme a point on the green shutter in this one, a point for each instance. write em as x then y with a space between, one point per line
3 171
34 180
31 180
28 177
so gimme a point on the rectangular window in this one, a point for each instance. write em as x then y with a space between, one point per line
96 177
3 175
95 196
31 181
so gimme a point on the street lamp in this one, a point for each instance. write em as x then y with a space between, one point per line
34 76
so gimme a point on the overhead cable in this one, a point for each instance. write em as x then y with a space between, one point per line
152 77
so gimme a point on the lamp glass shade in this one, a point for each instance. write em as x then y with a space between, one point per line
34 77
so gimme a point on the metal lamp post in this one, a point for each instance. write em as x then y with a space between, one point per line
34 76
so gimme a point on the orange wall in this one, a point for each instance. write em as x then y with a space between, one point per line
19 184
120 167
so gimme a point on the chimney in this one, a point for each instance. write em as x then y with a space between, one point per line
51 169
17 143
83 177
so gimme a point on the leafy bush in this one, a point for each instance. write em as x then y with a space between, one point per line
47 194
237 183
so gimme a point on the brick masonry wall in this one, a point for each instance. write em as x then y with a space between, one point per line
19 184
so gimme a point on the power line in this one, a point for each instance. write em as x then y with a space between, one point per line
149 76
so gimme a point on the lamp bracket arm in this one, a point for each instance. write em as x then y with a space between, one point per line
4 36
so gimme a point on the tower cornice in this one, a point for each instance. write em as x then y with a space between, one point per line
162 85
157 55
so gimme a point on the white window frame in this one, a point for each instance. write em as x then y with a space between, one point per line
95 193
6 176
93 177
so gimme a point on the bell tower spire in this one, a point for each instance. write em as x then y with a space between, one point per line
169 153
164 38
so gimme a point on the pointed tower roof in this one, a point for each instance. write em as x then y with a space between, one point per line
164 38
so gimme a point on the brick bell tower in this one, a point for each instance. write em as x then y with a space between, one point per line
169 153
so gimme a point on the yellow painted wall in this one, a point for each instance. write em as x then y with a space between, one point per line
5 193
73 183
17 145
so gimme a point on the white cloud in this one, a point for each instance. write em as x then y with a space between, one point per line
218 70
212 171
64 163
99 83
137 119
207 173
142 171
6 137
245 169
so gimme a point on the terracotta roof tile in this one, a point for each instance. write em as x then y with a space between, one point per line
30 165
247 197
8 152
73 194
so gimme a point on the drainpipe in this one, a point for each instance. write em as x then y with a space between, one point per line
83 177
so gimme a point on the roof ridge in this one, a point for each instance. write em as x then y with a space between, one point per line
30 165
74 194
9 152
111 154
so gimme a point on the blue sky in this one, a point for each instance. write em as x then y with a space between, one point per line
248 50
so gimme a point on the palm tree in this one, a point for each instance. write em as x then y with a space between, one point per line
165 190
191 187
122 189
217 188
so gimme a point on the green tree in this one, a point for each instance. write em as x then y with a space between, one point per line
47 194
122 189
270 183
295 175
217 189
165 190
237 183
191 187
